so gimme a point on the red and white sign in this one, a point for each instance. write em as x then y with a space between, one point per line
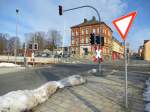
98 55
123 24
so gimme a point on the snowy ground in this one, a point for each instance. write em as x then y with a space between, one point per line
147 96
9 65
24 100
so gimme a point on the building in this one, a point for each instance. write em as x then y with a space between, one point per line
146 50
117 49
80 35
141 52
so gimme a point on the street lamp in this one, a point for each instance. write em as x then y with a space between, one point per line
61 11
15 50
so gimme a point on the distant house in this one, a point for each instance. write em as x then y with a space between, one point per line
146 49
141 51
117 49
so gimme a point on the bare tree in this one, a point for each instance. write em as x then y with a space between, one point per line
11 44
37 37
54 39
3 43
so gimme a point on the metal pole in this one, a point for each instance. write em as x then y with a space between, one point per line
64 34
25 50
99 63
15 50
126 77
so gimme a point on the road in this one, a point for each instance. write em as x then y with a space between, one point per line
31 79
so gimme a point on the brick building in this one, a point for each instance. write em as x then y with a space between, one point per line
80 35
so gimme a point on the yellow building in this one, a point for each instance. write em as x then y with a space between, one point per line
147 50
117 49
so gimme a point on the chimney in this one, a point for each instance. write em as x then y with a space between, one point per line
93 18
85 20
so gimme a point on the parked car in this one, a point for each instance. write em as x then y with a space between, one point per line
45 55
66 55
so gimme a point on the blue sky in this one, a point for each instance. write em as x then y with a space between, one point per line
42 15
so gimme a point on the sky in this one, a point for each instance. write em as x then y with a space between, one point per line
42 15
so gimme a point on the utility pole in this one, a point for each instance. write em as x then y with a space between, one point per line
61 11
15 49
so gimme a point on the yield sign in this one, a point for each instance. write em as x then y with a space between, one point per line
123 24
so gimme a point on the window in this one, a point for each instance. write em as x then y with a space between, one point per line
106 40
77 33
72 41
82 32
77 41
72 33
82 39
103 30
94 30
86 31
87 39
97 30
106 50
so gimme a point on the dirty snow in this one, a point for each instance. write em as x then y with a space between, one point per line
9 65
25 100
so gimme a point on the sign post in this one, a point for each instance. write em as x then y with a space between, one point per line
123 25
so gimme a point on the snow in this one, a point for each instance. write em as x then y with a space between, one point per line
147 95
92 71
25 100
9 65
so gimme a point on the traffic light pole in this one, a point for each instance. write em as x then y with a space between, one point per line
99 62
15 46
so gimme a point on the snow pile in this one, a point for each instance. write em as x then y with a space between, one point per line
9 65
25 100
147 96
71 81
92 71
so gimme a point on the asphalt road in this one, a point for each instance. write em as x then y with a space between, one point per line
31 79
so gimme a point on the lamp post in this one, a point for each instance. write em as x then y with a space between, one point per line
61 11
15 50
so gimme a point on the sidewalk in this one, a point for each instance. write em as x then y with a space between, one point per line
99 94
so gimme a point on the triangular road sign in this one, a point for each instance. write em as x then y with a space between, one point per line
123 24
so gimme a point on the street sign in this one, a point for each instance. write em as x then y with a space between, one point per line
123 24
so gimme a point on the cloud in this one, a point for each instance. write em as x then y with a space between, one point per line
42 15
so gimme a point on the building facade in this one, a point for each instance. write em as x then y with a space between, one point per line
80 37
141 52
146 49
117 49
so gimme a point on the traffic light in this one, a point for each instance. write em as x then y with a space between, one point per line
17 10
35 46
92 38
60 10
30 46
99 40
